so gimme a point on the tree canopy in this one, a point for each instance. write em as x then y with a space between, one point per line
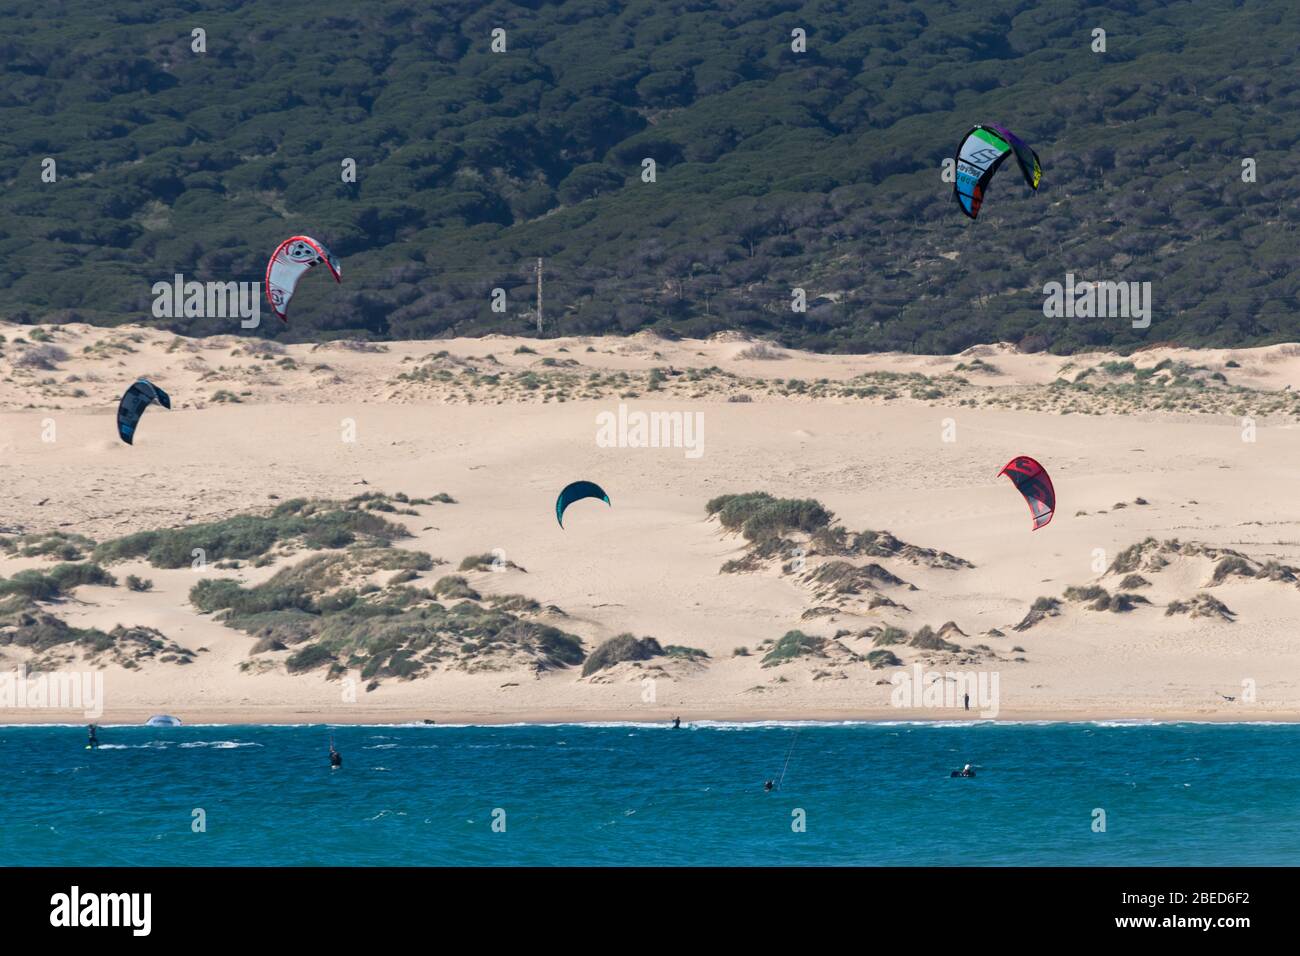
774 169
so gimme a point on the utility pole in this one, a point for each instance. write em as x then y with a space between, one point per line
539 295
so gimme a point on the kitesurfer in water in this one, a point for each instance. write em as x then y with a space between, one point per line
769 786
677 723
93 739
336 758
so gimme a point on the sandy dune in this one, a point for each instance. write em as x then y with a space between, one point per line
501 436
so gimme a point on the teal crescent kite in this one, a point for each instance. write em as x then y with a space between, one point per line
576 492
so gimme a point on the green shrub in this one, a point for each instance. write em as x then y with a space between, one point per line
792 645
320 525
453 587
312 656
624 647
882 658
1230 566
50 585
759 516
926 639
889 636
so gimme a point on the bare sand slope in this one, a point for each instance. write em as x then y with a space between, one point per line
650 565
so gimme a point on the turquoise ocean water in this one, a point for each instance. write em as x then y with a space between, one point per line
648 795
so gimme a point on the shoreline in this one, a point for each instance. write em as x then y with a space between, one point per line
288 717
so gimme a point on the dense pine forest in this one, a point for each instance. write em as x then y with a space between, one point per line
773 169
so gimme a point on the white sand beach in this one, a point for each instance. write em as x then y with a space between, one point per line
1167 457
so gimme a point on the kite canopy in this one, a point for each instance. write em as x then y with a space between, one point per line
138 397
576 492
981 152
1032 481
291 259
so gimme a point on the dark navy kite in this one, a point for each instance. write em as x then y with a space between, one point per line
137 398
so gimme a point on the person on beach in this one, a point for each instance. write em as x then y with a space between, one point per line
966 700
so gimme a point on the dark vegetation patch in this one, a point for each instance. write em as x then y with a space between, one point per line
35 585
792 646
300 522
1039 611
880 600
822 610
316 610
880 659
1097 598
927 640
1231 566
453 587
759 516
886 636
623 647
1202 605
54 643
1151 554
780 528
828 161
54 544
840 579
686 653
487 562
